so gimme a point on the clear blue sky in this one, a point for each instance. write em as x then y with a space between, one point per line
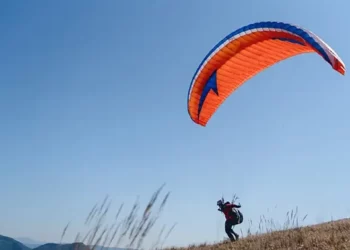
93 102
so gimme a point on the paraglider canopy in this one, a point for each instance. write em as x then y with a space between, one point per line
243 54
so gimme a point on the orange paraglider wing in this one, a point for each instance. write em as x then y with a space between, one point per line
243 54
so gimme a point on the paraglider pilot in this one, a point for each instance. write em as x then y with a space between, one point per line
233 217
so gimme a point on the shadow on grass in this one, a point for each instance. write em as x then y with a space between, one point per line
131 230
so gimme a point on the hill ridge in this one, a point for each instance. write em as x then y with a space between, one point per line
324 236
8 243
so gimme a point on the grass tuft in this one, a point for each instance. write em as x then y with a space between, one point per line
128 232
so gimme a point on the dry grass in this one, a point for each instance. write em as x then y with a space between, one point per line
127 233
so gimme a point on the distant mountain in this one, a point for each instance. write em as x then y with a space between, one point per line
7 243
73 246
26 240
29 242
54 246
23 243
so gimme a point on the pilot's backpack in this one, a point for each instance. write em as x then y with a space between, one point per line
238 215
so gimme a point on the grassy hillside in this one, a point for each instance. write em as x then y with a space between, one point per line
130 231
326 236
332 235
